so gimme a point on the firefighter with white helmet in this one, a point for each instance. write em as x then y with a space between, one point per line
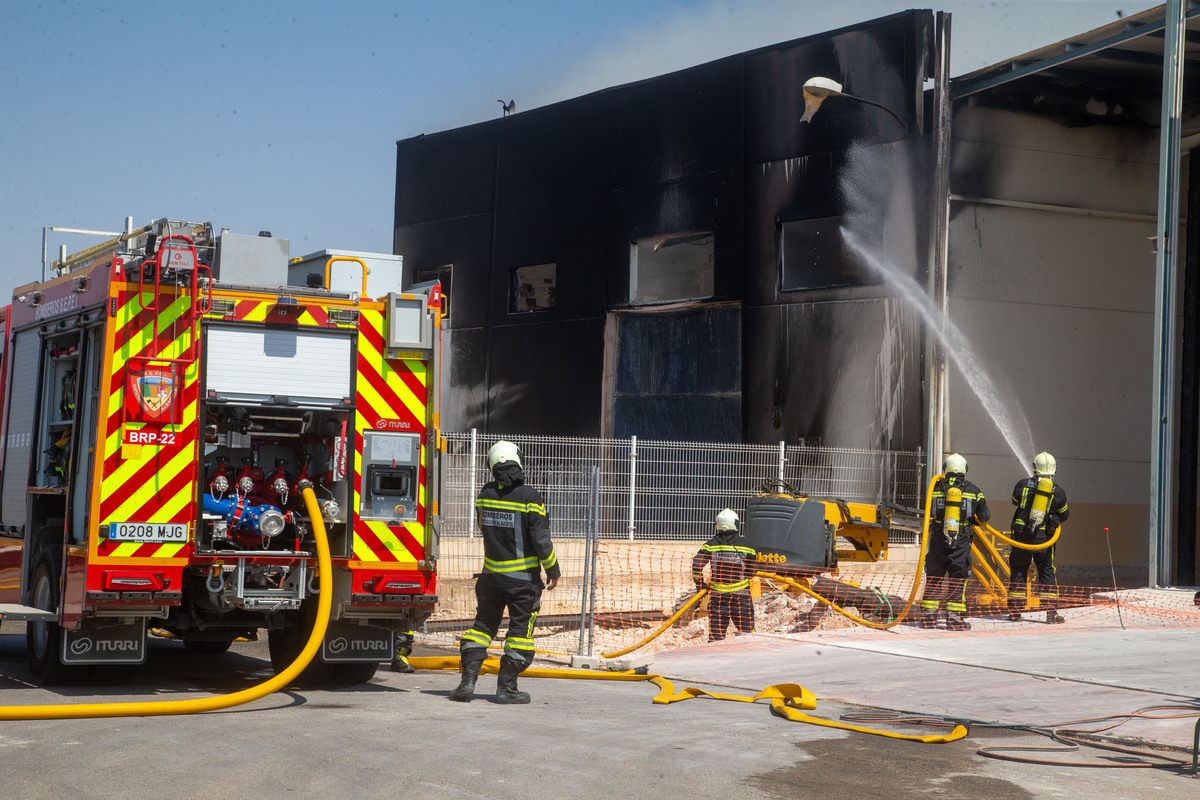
731 566
957 505
516 548
1041 508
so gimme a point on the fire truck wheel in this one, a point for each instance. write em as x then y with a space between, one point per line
43 640
113 674
285 644
207 646
353 673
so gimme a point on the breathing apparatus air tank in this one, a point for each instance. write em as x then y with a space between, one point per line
1041 502
951 523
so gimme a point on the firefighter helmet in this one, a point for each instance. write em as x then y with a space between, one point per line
955 465
1044 464
502 452
727 520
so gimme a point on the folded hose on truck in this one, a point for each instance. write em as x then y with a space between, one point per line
218 702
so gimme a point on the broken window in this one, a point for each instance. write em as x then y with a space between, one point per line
670 268
533 288
813 255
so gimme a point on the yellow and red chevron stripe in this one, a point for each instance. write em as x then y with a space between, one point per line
152 482
392 393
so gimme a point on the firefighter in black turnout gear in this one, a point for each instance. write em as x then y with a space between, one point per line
516 548
1041 508
731 566
957 506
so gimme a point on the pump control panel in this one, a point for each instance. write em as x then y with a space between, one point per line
390 464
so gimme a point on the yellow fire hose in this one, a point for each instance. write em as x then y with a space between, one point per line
691 602
879 626
198 705
1022 545
788 700
912 595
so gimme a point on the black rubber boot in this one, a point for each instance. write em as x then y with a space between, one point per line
506 685
1054 618
471 661
956 623
400 656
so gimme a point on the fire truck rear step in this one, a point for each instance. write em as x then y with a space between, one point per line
13 612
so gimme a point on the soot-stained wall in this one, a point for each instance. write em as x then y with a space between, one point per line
715 149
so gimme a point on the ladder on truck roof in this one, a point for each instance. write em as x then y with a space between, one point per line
176 257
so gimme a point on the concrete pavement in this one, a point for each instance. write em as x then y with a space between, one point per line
400 734
1036 675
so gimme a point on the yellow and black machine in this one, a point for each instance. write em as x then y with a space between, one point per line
800 536
802 540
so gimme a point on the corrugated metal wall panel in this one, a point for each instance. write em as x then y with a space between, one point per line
19 448
679 375
671 352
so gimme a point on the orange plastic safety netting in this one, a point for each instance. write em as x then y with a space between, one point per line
638 588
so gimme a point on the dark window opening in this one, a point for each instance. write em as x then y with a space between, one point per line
670 268
533 288
813 255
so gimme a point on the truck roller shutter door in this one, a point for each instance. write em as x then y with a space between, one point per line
18 447
255 365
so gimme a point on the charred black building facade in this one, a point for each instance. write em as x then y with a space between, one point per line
664 259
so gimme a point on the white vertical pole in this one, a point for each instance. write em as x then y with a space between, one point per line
1163 412
940 133
632 482
471 496
782 459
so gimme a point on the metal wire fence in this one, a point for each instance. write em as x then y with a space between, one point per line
626 516
663 491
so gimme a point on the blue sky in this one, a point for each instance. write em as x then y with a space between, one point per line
283 116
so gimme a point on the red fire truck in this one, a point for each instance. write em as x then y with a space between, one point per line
163 392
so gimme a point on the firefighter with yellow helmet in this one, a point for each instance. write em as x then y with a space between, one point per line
1041 508
957 505
731 566
516 549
